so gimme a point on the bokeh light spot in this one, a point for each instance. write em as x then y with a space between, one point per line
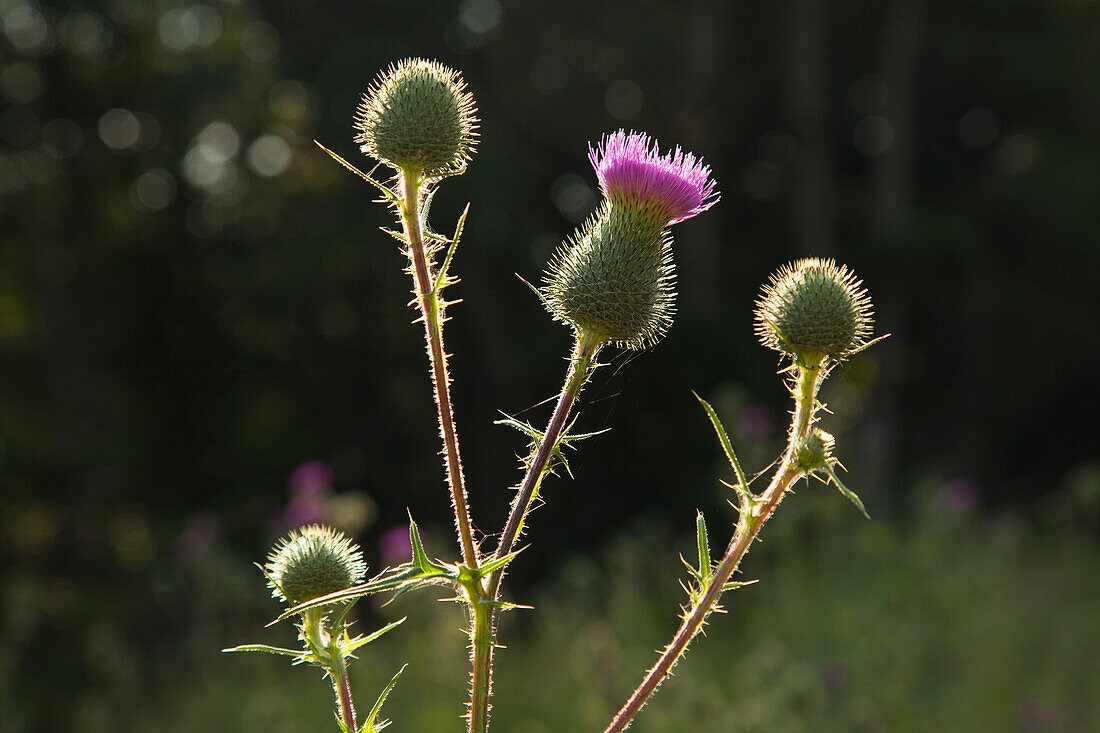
549 74
873 135
87 34
25 27
119 129
183 28
624 99
573 197
269 155
153 190
260 42
20 83
979 127
1018 154
869 95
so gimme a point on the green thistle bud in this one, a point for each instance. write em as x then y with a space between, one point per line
816 451
614 279
418 115
312 562
814 309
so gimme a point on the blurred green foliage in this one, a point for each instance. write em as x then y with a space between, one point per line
952 622
194 301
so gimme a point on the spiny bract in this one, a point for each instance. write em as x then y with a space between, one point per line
615 279
313 561
813 309
418 115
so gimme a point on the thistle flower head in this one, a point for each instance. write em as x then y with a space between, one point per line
813 309
675 186
614 279
418 115
312 562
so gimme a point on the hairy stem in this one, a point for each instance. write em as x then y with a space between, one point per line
343 692
431 312
805 394
481 652
580 366
584 355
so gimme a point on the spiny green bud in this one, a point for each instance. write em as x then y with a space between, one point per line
815 451
312 562
614 279
418 115
814 309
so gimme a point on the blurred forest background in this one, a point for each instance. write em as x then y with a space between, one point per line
204 341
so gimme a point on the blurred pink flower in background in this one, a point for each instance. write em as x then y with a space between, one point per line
202 531
755 421
960 494
310 490
394 547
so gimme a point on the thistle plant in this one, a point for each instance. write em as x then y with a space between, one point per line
613 283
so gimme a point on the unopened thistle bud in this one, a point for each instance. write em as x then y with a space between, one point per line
816 451
418 116
312 562
614 279
814 309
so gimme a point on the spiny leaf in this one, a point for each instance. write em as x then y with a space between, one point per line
399 236
735 584
371 726
363 640
265 648
441 277
506 606
538 293
496 564
425 207
851 495
704 548
379 584
390 195
727 446
867 345
419 557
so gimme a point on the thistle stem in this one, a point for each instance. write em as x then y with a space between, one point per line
805 394
431 312
584 354
343 692
484 615
481 653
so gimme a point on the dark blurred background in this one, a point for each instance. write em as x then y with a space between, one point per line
204 341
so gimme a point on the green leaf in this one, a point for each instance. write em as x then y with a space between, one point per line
496 564
371 726
363 640
852 496
867 345
727 446
425 207
420 559
399 236
389 194
381 583
506 606
266 649
442 276
704 548
537 292
735 584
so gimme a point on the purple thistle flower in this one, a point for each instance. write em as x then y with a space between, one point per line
629 165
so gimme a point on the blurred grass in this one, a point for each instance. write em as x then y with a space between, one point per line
956 622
